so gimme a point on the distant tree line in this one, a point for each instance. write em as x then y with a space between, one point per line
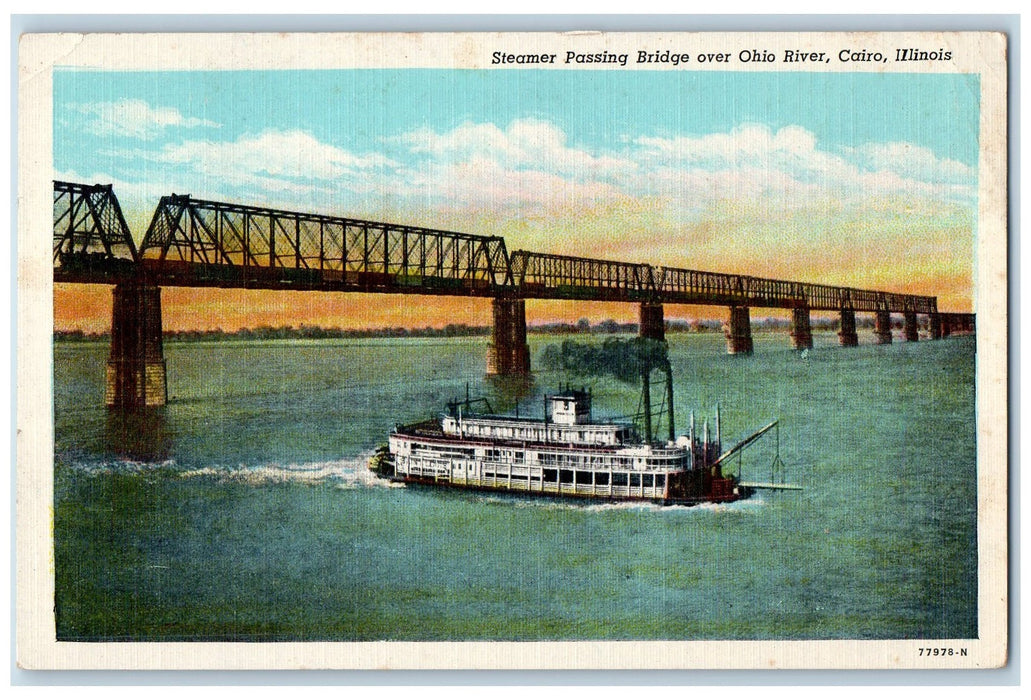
452 330
302 332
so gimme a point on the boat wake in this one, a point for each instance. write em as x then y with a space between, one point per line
123 467
344 473
750 505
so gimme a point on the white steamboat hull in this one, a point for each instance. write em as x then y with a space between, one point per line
526 479
464 465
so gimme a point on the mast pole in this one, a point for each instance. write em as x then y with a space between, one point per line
545 419
719 432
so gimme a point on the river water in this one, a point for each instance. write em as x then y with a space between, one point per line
244 511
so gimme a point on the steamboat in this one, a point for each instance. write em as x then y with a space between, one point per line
565 454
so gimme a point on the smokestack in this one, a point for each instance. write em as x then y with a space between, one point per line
647 400
669 400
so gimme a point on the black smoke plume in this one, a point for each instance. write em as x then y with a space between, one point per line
625 360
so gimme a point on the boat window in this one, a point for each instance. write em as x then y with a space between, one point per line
660 480
601 479
583 477
647 480
635 479
619 479
566 476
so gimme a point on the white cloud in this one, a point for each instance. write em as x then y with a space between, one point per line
529 169
279 158
914 162
524 144
282 169
479 183
749 144
769 156
135 118
530 163
788 165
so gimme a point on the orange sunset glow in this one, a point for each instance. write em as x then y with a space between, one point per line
88 308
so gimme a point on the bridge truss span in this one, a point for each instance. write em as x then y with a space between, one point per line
92 242
682 286
197 242
194 242
200 243
549 276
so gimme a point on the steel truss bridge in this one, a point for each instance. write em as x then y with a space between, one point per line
199 243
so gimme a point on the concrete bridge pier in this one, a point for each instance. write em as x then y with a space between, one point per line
652 324
934 323
508 353
847 336
958 323
739 332
909 327
882 327
136 372
801 330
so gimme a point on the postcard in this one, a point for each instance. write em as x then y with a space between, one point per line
512 351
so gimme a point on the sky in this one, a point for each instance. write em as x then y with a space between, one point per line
854 179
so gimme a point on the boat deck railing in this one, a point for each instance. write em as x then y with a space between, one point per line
529 480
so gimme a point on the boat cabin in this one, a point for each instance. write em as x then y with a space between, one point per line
570 408
568 420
